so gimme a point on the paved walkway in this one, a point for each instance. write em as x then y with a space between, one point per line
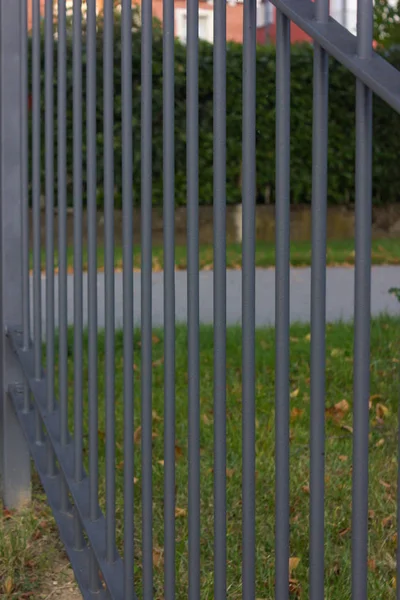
340 295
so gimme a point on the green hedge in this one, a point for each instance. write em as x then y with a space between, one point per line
386 174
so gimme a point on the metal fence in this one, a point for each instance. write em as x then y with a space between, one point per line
34 424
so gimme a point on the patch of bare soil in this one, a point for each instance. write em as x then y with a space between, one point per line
59 583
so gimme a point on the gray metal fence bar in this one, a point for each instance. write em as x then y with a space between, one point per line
78 243
146 299
62 233
49 161
248 298
108 57
92 253
127 200
282 291
219 300
362 308
169 299
25 181
25 186
192 169
36 120
15 482
318 310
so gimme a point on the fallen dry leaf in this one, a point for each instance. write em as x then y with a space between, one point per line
137 436
135 480
387 522
380 443
343 532
206 419
161 462
293 563
8 585
385 484
347 428
342 406
156 417
381 411
180 512
155 339
178 452
158 362
295 393
158 557
306 489
230 473
343 458
371 564
296 412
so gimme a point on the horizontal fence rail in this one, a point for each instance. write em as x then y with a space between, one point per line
53 413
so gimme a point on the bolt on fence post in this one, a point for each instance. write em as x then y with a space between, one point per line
15 478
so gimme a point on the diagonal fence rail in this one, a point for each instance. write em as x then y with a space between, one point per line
34 415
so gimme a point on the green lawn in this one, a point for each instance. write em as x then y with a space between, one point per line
385 251
383 459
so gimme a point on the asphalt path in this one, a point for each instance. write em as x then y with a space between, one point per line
339 296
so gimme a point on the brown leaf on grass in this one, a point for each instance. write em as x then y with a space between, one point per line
306 489
7 514
380 443
155 339
137 436
136 368
230 473
344 532
296 412
161 462
371 514
295 393
343 458
158 557
156 417
387 522
343 406
135 480
206 419
294 588
8 585
372 564
381 411
293 563
347 428
385 484
178 452
375 397
158 362
180 512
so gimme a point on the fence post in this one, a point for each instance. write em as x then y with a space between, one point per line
15 479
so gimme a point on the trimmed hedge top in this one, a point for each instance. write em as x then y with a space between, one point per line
341 151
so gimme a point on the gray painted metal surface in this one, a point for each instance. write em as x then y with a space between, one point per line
248 298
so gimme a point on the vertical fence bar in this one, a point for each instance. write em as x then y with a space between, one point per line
362 309
109 273
15 484
24 183
91 177
62 220
192 169
146 298
220 300
62 233
92 252
282 305
24 188
49 158
78 232
318 310
248 296
169 299
127 209
37 300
